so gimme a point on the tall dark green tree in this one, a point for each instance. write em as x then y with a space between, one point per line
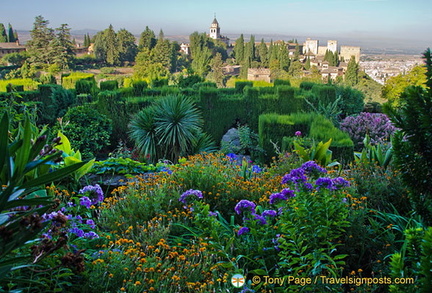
147 39
87 40
106 46
216 73
12 35
39 45
3 34
239 50
262 54
127 46
351 75
412 144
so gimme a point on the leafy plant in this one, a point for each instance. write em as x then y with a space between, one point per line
374 153
317 152
121 166
25 162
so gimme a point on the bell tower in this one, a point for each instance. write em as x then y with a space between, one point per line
215 29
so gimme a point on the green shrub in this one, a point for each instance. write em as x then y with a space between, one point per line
69 80
279 82
109 85
240 85
138 87
26 83
87 129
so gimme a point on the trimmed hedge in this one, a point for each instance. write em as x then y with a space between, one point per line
19 84
69 80
280 130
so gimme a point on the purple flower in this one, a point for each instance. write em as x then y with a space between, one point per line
232 157
311 167
295 176
244 205
85 201
256 169
91 223
324 182
243 230
269 213
281 196
94 191
213 214
261 220
190 193
339 183
298 133
166 169
91 235
77 231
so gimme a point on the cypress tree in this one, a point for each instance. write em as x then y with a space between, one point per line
147 39
351 75
3 35
239 49
263 53
11 35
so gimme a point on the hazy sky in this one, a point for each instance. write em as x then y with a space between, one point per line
394 19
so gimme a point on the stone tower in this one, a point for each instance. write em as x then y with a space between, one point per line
215 29
332 46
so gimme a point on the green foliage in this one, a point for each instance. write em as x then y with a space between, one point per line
279 82
352 73
87 129
396 85
413 262
240 85
25 161
317 152
412 145
374 154
54 102
121 166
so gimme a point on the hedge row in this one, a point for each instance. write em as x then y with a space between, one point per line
279 130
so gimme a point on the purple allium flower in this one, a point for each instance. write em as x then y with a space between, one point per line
244 205
85 201
243 230
256 169
298 133
311 167
324 182
339 183
261 220
269 213
190 193
95 192
344 200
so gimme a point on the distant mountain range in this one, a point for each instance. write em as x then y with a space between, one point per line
370 46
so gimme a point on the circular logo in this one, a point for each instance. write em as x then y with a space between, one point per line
238 280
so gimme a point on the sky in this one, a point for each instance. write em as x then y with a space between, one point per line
377 20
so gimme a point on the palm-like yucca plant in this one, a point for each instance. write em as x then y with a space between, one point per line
170 128
142 130
177 123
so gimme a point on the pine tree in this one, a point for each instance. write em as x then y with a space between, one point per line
61 47
217 71
87 41
239 49
106 46
11 35
38 47
147 39
3 35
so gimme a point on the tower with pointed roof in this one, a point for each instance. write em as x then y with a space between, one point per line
215 29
